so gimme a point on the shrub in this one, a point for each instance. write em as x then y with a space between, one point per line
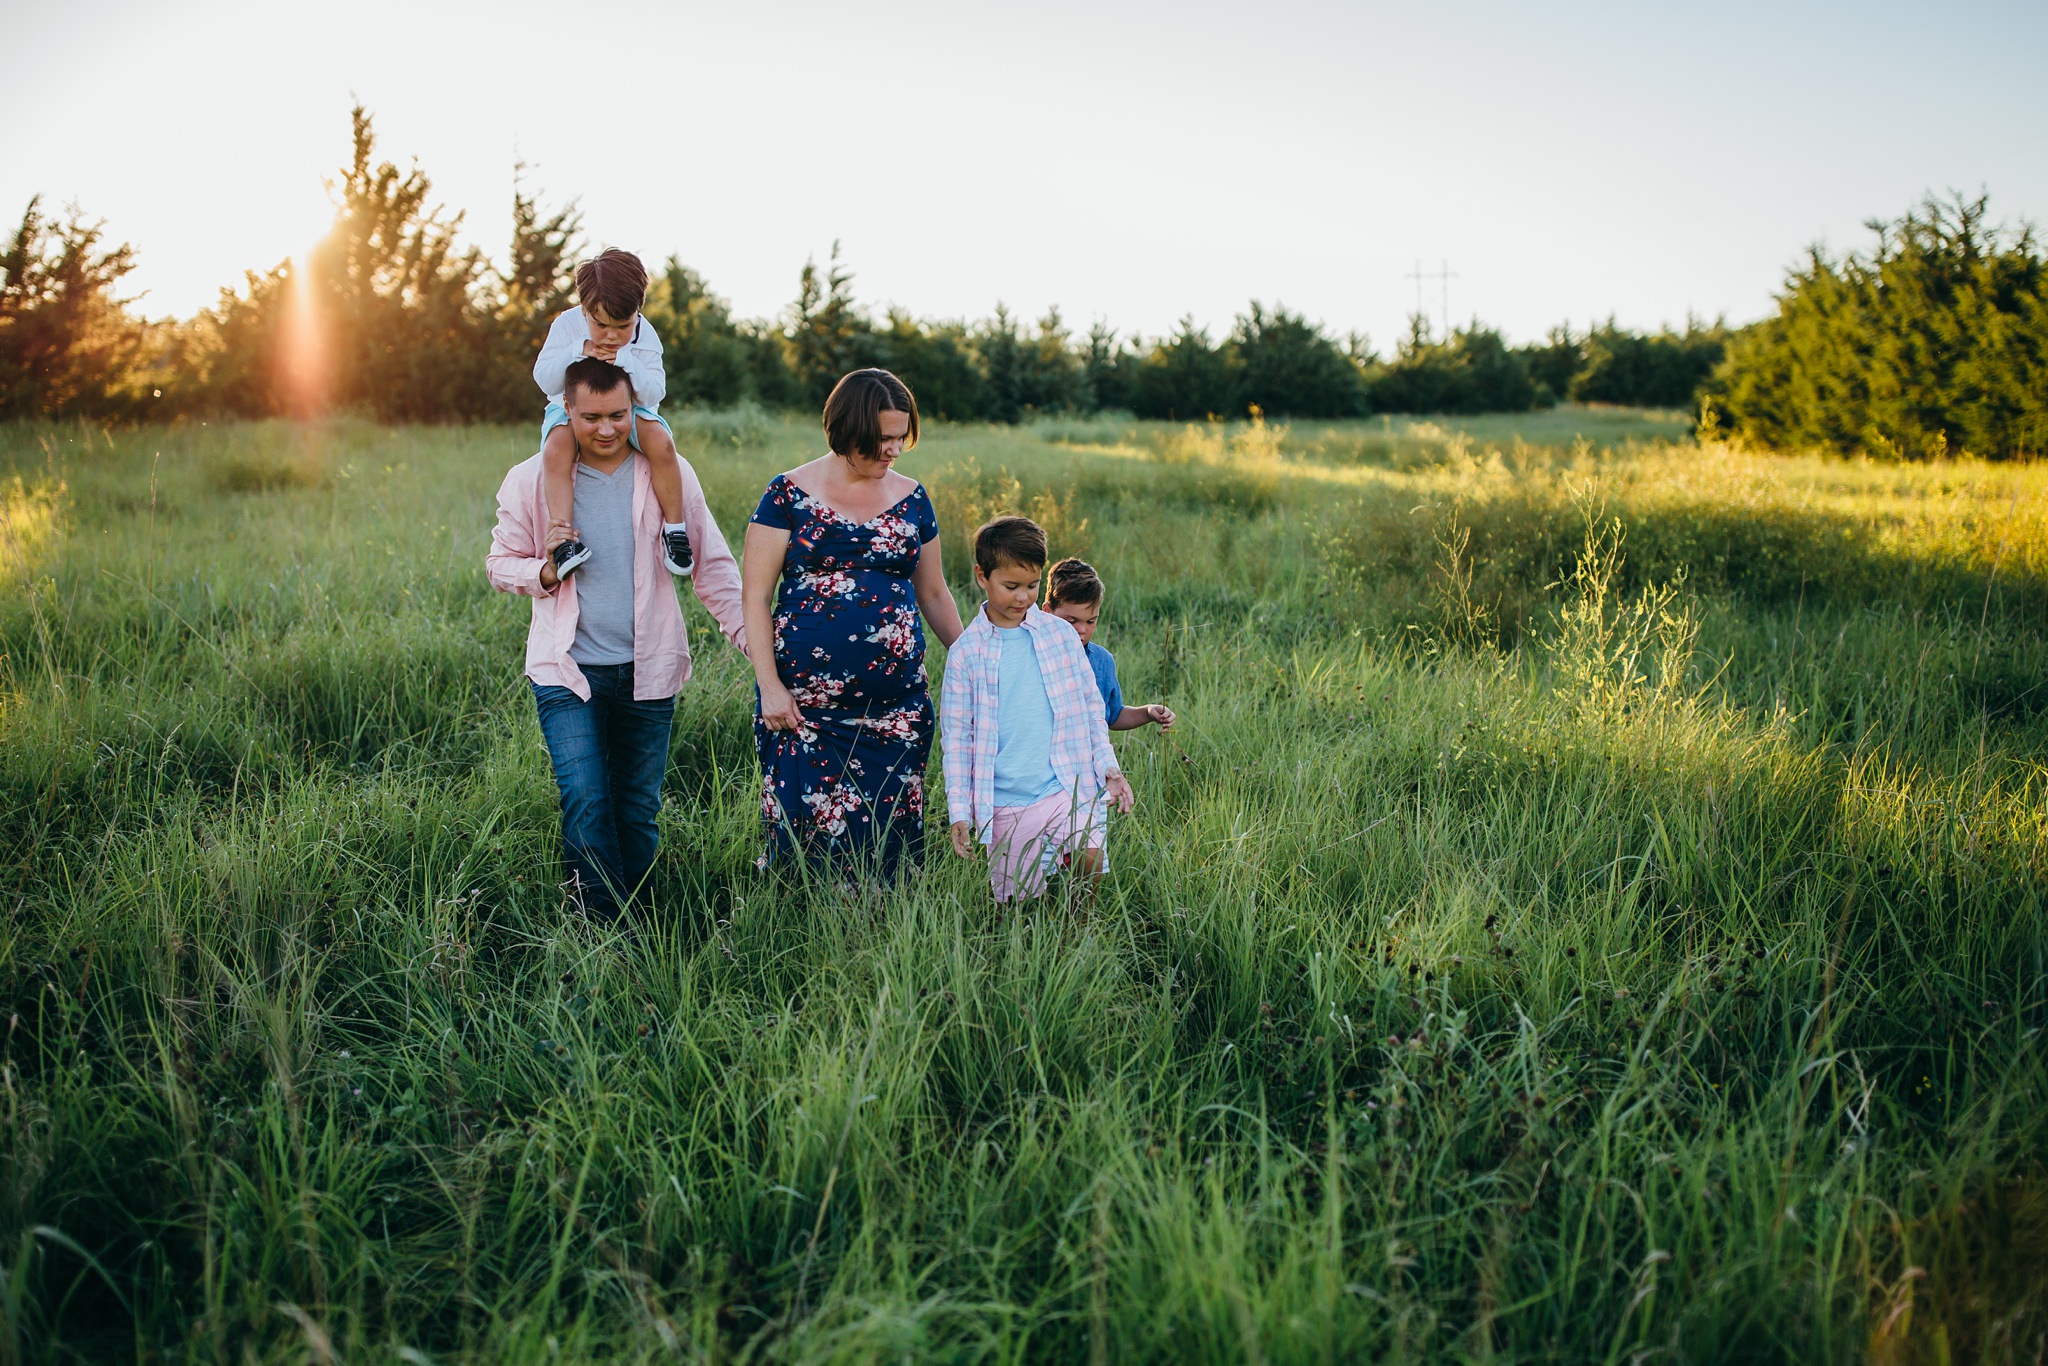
938 363
1665 369
1934 341
1473 371
1287 367
964 496
67 345
1184 377
710 360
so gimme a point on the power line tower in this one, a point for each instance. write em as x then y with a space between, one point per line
1443 275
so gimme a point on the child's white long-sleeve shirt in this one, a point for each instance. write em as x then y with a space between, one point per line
640 358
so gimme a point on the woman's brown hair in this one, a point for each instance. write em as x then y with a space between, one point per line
853 413
1073 581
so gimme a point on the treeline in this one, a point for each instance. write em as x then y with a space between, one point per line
391 315
1932 343
1935 341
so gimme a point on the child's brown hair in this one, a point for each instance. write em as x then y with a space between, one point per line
1016 541
615 282
1073 581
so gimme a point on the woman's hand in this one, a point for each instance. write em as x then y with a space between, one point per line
778 708
963 839
1121 798
1159 714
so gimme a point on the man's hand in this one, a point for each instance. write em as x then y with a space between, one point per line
1160 715
1121 798
963 839
558 532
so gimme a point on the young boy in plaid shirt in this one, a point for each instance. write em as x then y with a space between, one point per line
1029 770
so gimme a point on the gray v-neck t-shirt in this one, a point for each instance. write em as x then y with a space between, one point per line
604 585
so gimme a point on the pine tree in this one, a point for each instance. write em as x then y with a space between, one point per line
1934 342
67 344
827 330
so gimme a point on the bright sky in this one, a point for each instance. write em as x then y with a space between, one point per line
1126 161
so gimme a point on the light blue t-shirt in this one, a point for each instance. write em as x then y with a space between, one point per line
1104 664
1023 724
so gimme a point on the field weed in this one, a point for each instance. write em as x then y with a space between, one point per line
743 427
31 519
965 496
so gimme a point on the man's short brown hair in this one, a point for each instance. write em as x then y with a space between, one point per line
853 412
1015 541
595 376
614 283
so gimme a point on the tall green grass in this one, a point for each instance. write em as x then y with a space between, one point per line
1591 909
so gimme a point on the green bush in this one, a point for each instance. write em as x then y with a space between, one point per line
1471 371
1933 342
1664 369
1183 378
1286 367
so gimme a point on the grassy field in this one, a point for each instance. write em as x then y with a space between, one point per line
1591 910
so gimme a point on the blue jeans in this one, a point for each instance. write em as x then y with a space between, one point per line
609 755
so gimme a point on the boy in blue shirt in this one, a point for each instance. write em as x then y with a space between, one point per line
1073 593
1030 773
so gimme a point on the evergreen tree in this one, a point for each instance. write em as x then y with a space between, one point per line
387 314
537 284
938 361
1286 367
710 360
1473 371
1936 341
1664 369
1105 371
67 344
1554 363
1027 375
828 333
1184 378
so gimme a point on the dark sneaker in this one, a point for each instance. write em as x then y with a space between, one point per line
675 551
567 556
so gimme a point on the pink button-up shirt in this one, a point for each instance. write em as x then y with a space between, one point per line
661 643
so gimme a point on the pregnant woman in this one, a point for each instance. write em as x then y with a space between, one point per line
844 723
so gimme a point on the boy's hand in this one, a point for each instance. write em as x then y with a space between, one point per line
963 839
1160 715
1121 798
600 351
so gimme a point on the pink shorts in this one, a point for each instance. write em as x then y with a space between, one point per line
1029 842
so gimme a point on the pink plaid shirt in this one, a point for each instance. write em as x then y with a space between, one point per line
1081 756
661 640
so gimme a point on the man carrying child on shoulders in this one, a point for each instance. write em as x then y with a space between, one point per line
1029 768
607 650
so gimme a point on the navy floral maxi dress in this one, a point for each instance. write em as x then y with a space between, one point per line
846 788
